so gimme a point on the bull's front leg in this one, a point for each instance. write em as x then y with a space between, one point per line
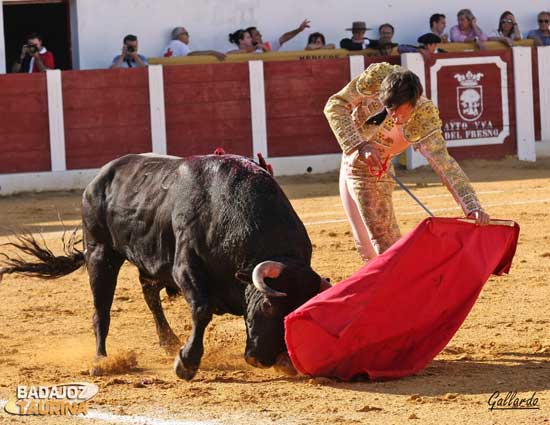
192 280
189 357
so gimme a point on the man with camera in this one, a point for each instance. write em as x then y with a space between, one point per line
34 56
129 57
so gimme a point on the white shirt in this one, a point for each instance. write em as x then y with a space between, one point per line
441 35
31 64
176 48
499 34
274 44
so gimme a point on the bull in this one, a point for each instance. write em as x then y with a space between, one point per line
217 228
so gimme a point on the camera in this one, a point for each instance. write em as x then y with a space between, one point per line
130 49
31 48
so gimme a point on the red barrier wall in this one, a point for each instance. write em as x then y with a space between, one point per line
394 60
491 105
296 93
106 115
207 106
24 127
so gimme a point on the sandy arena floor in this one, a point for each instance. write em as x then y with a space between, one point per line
504 345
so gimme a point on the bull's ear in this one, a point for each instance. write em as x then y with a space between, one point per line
244 276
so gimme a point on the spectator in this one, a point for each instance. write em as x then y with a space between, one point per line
358 41
243 40
179 46
129 58
438 22
467 29
427 45
34 56
386 48
542 34
316 41
385 32
274 45
507 31
384 45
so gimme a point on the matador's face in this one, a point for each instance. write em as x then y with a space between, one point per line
400 114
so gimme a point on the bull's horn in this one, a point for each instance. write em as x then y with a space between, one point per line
265 269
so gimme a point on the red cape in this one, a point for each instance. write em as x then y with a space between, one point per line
395 314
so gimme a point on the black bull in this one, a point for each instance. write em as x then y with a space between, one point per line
217 228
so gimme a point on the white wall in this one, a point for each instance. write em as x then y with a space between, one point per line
103 23
74 34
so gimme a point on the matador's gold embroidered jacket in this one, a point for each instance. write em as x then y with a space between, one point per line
348 110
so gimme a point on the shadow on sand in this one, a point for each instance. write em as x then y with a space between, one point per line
441 377
466 377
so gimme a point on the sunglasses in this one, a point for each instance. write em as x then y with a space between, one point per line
544 21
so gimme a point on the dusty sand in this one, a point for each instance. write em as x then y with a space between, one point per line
504 345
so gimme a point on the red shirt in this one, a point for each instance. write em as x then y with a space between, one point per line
47 60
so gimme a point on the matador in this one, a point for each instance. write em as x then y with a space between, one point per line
378 115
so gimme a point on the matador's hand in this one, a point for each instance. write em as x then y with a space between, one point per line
370 156
480 216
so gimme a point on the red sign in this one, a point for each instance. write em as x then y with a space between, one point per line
472 99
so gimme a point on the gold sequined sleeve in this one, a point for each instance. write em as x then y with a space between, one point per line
425 133
341 105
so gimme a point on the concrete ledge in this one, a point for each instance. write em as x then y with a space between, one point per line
543 149
11 184
289 166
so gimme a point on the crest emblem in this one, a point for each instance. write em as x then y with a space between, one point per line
469 95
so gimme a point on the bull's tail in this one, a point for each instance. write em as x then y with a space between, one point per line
46 265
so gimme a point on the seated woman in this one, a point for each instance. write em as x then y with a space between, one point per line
508 30
467 29
243 40
316 41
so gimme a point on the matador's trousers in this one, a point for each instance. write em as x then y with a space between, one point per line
368 205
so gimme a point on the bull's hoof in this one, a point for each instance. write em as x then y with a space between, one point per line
183 371
96 369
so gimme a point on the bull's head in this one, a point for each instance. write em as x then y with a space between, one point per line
277 289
